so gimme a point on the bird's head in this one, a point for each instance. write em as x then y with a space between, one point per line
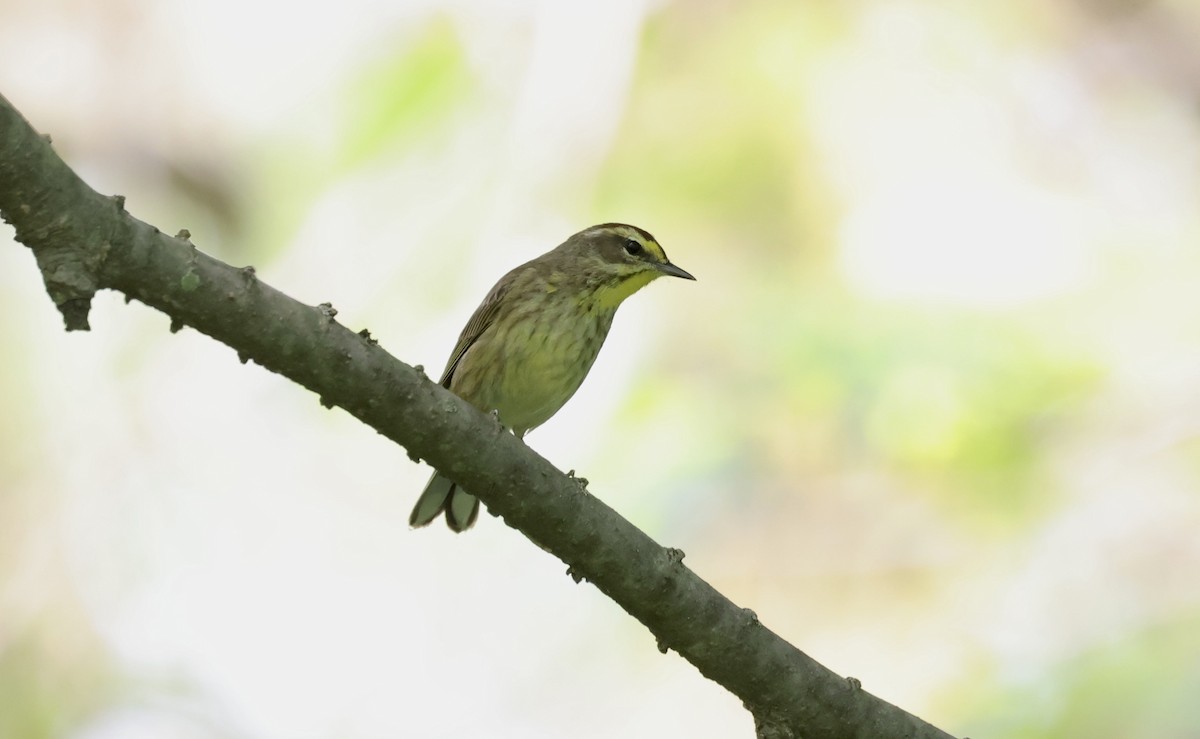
616 260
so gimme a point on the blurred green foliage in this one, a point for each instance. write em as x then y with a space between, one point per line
403 95
397 105
50 685
1142 686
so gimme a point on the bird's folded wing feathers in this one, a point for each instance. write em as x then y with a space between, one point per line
483 317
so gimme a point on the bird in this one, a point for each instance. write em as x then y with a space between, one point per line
531 342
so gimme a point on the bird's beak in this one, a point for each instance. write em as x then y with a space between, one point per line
669 269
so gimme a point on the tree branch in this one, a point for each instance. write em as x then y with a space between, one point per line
84 242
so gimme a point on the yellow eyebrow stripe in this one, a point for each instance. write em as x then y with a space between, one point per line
651 245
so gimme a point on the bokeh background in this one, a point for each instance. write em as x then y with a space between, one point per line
932 409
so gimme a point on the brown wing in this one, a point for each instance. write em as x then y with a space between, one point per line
480 320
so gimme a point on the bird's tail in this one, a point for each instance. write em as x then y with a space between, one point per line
443 494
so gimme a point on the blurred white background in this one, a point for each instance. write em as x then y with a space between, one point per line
930 409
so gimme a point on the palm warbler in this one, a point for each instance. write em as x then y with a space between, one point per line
534 337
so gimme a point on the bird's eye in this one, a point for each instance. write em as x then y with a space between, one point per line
633 248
